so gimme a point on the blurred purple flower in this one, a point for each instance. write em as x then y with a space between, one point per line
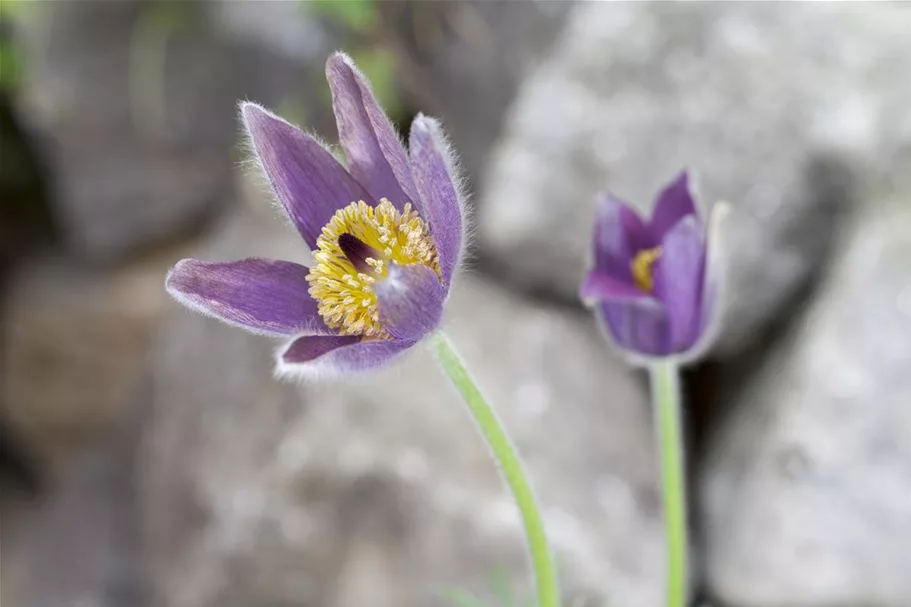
650 283
386 235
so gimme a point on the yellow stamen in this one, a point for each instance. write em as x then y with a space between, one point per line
345 297
643 268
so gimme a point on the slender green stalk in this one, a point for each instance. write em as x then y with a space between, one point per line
510 465
665 380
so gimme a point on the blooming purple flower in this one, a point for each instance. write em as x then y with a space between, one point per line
386 234
650 284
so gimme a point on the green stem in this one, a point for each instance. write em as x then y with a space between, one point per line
665 380
510 465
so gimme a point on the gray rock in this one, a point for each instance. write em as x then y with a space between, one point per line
73 345
377 490
784 111
464 62
807 488
134 107
77 544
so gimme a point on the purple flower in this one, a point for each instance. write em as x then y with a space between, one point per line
386 234
650 284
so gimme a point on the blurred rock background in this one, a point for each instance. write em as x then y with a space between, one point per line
148 458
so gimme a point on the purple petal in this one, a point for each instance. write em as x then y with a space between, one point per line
440 202
619 233
260 295
679 281
318 355
598 286
308 180
639 326
375 154
674 203
712 283
410 301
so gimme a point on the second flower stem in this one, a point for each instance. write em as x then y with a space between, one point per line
510 465
665 384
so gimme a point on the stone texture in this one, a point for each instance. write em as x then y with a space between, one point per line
785 111
807 488
72 348
76 544
377 490
464 61
134 106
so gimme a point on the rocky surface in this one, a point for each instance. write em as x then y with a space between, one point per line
72 350
77 544
134 106
464 62
378 490
807 491
785 111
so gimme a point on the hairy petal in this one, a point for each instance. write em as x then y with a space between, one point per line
315 356
259 295
307 179
410 301
674 203
679 281
375 154
435 181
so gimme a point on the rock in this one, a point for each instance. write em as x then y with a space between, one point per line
790 113
134 105
279 26
807 487
72 348
76 545
464 62
377 490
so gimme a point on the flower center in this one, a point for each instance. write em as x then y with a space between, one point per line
354 251
643 268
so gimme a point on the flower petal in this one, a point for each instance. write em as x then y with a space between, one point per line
259 295
434 177
679 281
638 326
410 301
375 154
307 179
598 286
712 284
320 355
619 233
675 202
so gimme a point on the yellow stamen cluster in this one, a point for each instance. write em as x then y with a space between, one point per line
643 268
345 295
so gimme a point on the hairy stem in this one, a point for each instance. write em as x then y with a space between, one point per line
510 466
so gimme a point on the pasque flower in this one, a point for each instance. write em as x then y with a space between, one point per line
654 285
386 233
650 282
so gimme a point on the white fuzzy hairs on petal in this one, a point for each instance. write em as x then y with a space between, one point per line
189 303
357 72
320 371
252 167
195 306
460 182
